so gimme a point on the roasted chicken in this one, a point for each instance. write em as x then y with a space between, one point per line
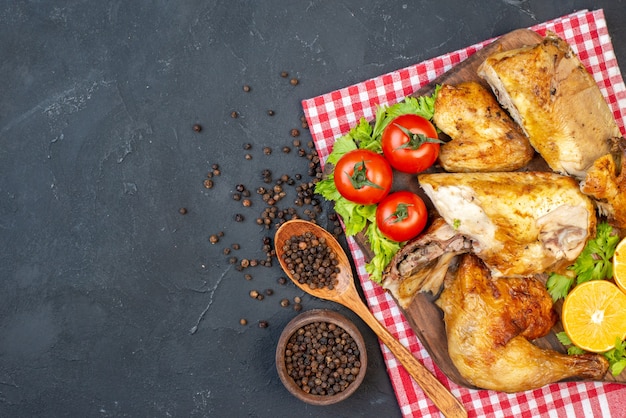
520 223
605 181
423 262
484 137
489 323
556 101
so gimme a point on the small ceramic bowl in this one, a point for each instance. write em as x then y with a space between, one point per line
300 321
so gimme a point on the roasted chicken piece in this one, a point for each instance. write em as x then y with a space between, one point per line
548 91
605 181
423 262
520 223
484 137
489 323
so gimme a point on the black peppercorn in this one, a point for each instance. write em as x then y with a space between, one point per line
197 127
246 88
182 211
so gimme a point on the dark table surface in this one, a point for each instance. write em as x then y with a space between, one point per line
112 302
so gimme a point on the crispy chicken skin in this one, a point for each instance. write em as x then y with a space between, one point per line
484 137
605 181
489 323
520 223
556 101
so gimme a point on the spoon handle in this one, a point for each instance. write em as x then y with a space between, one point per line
433 388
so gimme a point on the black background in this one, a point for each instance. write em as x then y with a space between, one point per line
101 279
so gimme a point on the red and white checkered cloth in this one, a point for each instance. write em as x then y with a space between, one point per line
333 114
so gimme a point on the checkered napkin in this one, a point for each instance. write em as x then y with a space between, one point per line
333 114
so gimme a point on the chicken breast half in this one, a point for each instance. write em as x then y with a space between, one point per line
548 91
484 136
520 223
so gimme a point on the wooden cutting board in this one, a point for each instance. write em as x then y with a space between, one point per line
424 317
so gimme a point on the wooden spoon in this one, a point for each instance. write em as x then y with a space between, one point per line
345 293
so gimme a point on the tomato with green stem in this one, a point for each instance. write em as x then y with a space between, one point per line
401 216
363 176
410 143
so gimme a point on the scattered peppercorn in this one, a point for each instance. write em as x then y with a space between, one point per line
243 321
247 146
295 132
254 294
248 157
269 292
263 324
284 303
247 203
234 114
297 307
294 81
270 112
267 150
284 74
197 127
182 211
239 217
208 184
246 88
214 239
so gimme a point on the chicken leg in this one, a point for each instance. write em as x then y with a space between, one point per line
489 323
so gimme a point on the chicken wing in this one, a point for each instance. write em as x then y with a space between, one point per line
489 323
520 223
548 91
484 137
605 181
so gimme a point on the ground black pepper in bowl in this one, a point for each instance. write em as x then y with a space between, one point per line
311 261
321 357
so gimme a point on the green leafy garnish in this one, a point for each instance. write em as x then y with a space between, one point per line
559 285
356 217
616 356
593 263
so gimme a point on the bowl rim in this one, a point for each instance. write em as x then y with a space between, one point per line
320 315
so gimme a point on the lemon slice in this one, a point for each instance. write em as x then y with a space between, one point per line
594 315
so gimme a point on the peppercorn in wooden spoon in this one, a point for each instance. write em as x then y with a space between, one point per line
293 242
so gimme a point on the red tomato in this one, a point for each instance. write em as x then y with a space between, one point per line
363 177
401 216
410 143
